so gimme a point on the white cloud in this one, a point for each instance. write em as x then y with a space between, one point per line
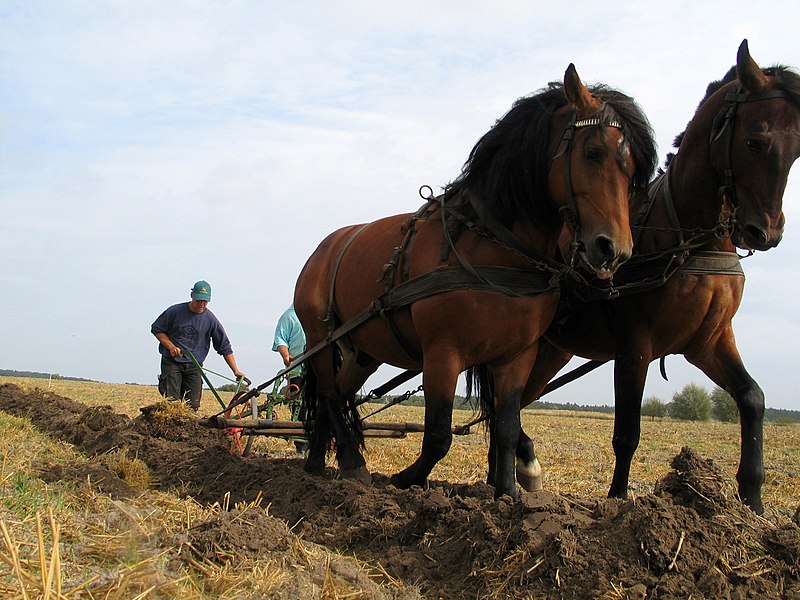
146 145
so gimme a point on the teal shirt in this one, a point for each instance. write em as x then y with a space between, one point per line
289 333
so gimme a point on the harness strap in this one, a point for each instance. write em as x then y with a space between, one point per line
399 339
335 271
504 235
713 263
521 283
670 204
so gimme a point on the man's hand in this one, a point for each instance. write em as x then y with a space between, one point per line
284 352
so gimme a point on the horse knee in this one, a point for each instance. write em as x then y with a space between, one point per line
625 447
436 446
751 404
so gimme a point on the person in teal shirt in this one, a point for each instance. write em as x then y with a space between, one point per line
290 339
290 342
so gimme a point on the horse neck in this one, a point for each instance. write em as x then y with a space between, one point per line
693 186
538 239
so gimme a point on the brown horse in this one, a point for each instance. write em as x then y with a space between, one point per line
677 295
470 278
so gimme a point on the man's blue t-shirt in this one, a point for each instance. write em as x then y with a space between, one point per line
191 331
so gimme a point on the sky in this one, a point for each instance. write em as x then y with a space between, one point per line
146 145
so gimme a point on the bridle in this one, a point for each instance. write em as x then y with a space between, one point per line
569 212
722 130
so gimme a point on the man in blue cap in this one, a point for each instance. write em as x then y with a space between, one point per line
190 326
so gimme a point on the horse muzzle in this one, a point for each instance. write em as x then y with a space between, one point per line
603 256
755 236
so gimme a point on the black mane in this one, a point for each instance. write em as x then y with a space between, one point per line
786 80
508 167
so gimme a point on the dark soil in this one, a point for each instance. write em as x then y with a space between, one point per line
691 538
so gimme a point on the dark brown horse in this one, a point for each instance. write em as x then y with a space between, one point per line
470 278
677 295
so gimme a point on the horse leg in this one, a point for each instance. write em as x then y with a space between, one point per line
724 366
353 372
510 382
326 404
549 361
630 373
318 425
440 388
529 471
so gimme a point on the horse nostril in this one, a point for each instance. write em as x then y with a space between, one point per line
756 236
605 249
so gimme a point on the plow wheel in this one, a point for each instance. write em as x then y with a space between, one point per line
235 433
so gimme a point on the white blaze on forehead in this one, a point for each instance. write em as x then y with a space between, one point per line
623 148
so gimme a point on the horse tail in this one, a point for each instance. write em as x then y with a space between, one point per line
308 407
353 421
480 386
312 409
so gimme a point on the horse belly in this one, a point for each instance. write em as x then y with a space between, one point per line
482 326
585 332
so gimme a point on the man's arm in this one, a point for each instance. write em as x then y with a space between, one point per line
167 343
284 352
231 360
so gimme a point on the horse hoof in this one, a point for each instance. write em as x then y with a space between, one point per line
359 474
402 482
512 494
314 468
529 477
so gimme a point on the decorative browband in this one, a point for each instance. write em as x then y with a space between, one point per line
596 121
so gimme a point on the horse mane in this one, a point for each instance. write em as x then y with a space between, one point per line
508 167
785 78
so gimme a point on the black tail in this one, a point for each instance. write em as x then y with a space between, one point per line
480 384
353 421
313 409
308 410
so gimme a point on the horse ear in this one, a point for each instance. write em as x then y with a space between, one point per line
748 72
577 93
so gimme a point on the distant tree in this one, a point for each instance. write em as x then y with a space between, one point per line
724 406
654 407
692 403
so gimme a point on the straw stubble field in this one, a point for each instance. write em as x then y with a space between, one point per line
574 449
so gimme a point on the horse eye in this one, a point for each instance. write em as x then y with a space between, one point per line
593 153
753 145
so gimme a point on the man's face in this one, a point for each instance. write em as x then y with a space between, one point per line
197 306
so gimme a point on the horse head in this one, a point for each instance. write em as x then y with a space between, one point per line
591 177
754 140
